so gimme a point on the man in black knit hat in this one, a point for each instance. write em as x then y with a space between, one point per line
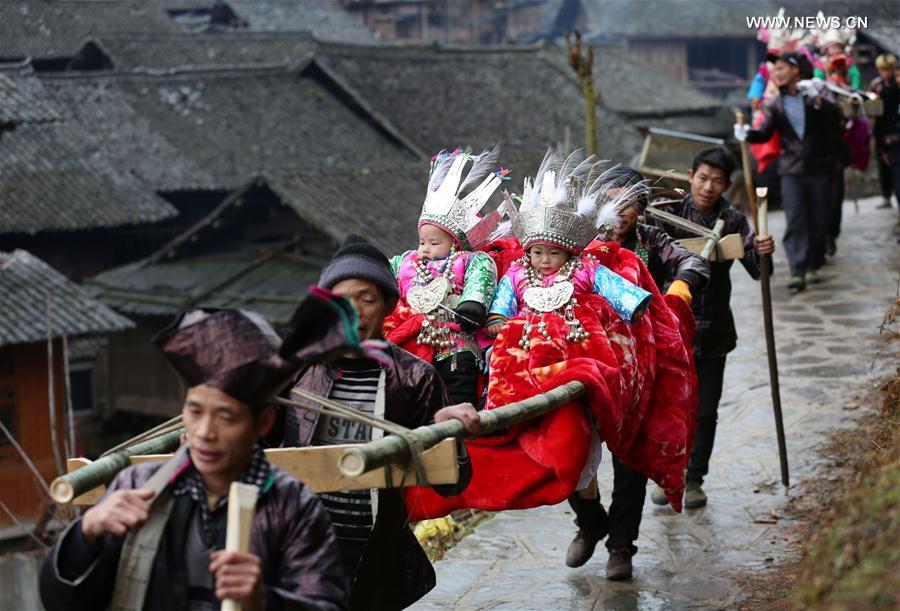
386 564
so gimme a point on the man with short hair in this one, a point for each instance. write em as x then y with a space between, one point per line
885 87
679 272
810 125
710 177
386 565
161 550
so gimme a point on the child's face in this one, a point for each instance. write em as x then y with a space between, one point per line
434 243
547 259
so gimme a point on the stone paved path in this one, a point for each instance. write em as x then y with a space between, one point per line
827 340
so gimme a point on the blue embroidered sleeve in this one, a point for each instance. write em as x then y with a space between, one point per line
505 303
627 299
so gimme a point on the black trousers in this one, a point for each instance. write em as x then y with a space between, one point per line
837 204
807 205
460 375
710 374
885 181
624 518
351 554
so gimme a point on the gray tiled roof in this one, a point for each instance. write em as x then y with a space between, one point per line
44 29
54 176
216 129
476 97
628 86
382 205
325 19
273 288
26 282
167 51
126 136
24 100
631 87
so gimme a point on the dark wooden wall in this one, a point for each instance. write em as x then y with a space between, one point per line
25 385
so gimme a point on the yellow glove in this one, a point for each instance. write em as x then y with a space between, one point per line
681 289
426 529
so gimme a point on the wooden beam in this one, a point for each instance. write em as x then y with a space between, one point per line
729 247
318 468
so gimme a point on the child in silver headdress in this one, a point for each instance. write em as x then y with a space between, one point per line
445 287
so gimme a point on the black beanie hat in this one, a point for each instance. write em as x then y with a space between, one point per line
357 258
624 176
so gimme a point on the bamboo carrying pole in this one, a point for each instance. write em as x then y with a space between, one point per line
352 463
102 471
393 448
748 172
710 246
765 273
241 511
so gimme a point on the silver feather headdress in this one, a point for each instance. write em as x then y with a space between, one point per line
569 202
453 204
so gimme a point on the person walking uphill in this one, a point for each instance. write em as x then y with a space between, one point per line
133 551
679 272
386 565
716 335
811 140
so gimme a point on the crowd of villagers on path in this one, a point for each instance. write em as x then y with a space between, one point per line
810 125
562 282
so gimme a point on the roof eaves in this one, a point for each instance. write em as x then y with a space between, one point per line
273 182
198 226
363 103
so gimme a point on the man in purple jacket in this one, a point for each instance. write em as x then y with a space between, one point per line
162 550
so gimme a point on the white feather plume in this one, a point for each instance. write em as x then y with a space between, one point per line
607 215
484 164
551 163
503 230
439 168
575 168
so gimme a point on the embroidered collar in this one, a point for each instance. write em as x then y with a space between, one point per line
258 472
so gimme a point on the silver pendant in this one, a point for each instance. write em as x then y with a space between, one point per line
425 299
551 298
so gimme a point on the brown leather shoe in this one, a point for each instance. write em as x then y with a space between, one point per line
618 567
582 546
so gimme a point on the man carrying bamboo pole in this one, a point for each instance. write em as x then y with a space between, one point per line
155 542
385 563
679 272
710 177
809 123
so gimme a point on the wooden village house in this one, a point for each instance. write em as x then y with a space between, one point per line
38 406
